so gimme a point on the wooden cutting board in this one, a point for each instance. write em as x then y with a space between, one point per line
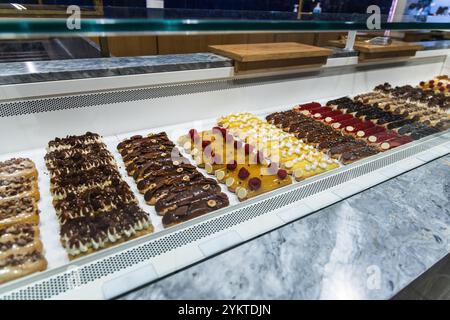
374 52
269 56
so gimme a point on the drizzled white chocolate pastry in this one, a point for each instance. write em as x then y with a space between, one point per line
20 247
95 207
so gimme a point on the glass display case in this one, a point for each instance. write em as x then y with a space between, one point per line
127 169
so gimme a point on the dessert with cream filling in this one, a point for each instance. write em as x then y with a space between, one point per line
95 207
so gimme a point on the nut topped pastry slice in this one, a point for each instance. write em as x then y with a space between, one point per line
95 207
19 265
20 247
19 238
17 167
18 210
19 187
168 181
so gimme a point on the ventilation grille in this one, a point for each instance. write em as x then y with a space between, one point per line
31 106
60 283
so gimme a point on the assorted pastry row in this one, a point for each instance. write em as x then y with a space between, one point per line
21 250
95 207
410 96
437 85
168 181
319 126
239 165
401 107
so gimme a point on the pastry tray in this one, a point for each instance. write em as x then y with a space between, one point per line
113 271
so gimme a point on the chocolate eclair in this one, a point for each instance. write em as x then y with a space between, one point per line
74 141
162 186
161 174
347 146
185 195
94 206
83 235
144 182
171 185
139 141
195 209
357 154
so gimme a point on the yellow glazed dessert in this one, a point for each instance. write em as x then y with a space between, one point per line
297 157
238 165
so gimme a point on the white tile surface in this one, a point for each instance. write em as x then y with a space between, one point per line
294 212
257 226
347 189
177 259
220 243
132 279
321 200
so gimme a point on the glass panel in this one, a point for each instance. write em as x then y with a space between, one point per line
39 20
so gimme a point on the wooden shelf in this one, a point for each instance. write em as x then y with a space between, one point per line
370 52
262 57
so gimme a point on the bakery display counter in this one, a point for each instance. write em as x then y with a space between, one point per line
142 181
367 246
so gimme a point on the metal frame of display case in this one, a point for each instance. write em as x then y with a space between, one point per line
30 121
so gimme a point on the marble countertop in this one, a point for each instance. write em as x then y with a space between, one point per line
53 70
369 246
37 71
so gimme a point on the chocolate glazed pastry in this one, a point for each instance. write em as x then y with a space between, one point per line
163 186
195 209
184 195
353 155
95 207
146 182
176 188
324 136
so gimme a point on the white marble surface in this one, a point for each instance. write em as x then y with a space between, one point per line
37 71
369 246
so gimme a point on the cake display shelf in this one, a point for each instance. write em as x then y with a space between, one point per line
121 268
